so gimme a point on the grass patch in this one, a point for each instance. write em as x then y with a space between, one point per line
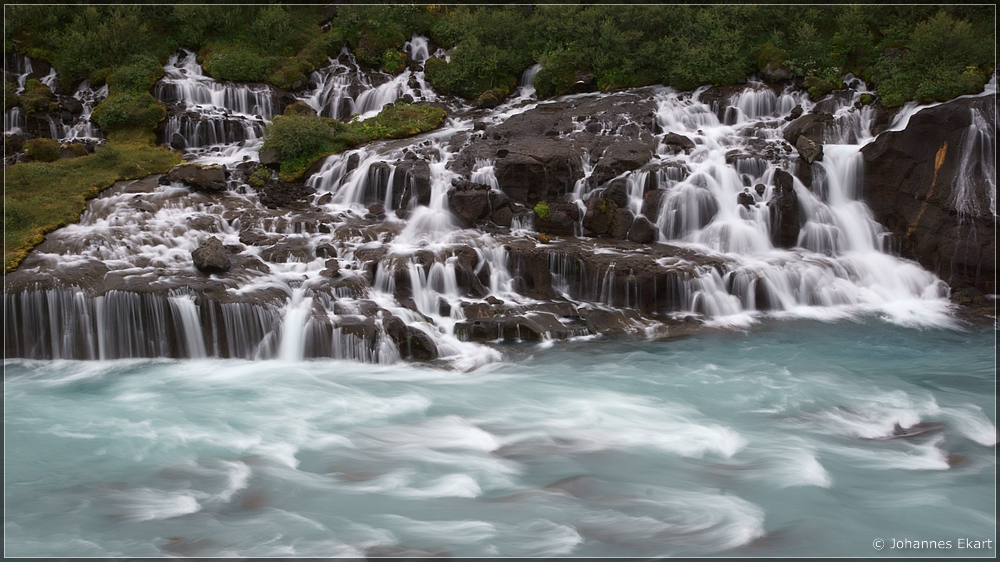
301 141
41 197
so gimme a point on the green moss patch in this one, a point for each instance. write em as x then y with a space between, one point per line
301 140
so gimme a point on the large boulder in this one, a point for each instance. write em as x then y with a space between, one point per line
809 126
198 177
809 150
470 202
211 257
930 185
786 217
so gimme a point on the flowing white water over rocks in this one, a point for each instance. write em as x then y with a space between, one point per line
380 224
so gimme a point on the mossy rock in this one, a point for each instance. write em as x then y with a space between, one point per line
866 99
42 150
492 97
10 98
773 56
300 109
128 111
37 97
259 177
818 87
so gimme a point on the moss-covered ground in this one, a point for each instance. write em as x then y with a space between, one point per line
40 197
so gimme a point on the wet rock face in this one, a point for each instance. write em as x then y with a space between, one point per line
926 185
538 154
211 257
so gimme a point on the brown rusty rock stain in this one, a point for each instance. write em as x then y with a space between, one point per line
938 160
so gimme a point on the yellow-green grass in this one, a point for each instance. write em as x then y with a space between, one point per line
41 197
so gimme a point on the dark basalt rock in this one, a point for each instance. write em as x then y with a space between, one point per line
786 217
197 177
538 154
470 202
809 151
678 142
211 257
809 126
642 231
911 181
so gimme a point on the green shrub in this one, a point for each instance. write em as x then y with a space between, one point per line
271 29
393 61
42 150
136 77
374 42
290 74
36 97
297 136
99 77
128 111
238 64
542 210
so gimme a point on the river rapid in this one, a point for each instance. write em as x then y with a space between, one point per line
796 438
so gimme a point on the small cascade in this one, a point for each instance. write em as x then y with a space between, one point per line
18 68
418 49
51 80
975 184
433 223
82 128
185 82
293 326
342 89
186 312
527 82
14 121
483 173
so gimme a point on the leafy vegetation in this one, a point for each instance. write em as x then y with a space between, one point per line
300 139
41 197
919 52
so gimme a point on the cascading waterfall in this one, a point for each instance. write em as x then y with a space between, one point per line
342 90
837 266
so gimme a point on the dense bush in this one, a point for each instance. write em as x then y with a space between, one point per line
128 111
297 136
558 73
42 150
238 64
137 77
